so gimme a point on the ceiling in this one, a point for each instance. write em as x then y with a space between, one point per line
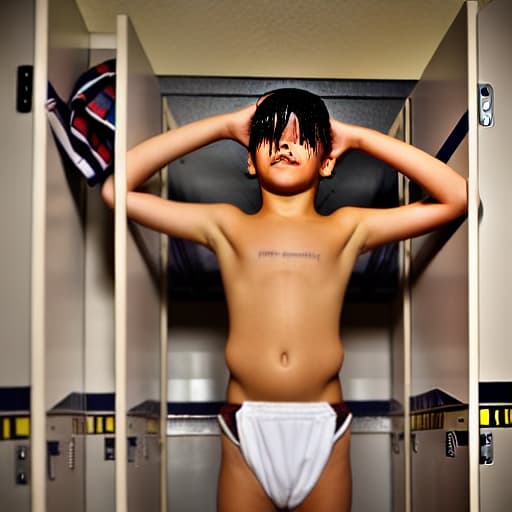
351 39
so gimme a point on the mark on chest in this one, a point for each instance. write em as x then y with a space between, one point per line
305 254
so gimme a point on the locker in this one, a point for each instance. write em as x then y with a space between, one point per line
454 310
494 245
15 453
438 286
16 33
68 304
197 332
458 338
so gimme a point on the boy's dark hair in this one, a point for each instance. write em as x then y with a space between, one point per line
273 113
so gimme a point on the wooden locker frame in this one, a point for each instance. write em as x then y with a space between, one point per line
38 361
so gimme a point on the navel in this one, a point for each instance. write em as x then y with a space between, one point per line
284 359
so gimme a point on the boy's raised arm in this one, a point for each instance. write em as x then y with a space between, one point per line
439 180
151 155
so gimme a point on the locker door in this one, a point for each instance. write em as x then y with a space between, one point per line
495 251
17 34
137 291
439 285
57 260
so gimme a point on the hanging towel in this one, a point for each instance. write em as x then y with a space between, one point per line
85 127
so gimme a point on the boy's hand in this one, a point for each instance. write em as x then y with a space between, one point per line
343 138
239 124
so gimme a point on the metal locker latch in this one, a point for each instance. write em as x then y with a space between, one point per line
396 437
132 449
415 443
486 104
22 465
110 448
52 451
486 448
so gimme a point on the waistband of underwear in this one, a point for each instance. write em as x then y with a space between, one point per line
227 419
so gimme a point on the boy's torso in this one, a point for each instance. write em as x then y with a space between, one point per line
285 279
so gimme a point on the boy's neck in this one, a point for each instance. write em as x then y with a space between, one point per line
294 206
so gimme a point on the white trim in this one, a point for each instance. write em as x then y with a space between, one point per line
120 236
38 263
473 291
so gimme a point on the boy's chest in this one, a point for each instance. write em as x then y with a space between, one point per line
288 245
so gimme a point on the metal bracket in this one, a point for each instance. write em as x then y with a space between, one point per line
24 89
486 448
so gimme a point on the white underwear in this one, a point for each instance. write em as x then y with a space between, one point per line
287 445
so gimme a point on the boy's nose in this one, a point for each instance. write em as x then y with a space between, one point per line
290 133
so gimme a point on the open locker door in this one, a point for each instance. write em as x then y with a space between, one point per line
441 115
137 291
495 254
57 273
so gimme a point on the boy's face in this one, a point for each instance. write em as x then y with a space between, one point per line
289 166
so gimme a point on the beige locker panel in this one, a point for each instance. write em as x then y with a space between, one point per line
17 34
65 461
441 116
495 492
440 97
68 58
137 291
439 289
495 181
439 483
99 275
57 273
495 242
439 355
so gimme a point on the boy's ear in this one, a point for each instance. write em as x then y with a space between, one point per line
251 169
327 167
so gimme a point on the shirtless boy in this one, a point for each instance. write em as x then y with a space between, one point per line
285 270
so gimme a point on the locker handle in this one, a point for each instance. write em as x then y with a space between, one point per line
52 451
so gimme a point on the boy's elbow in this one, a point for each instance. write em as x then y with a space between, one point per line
107 192
461 201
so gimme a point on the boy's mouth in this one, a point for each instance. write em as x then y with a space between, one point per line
283 158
